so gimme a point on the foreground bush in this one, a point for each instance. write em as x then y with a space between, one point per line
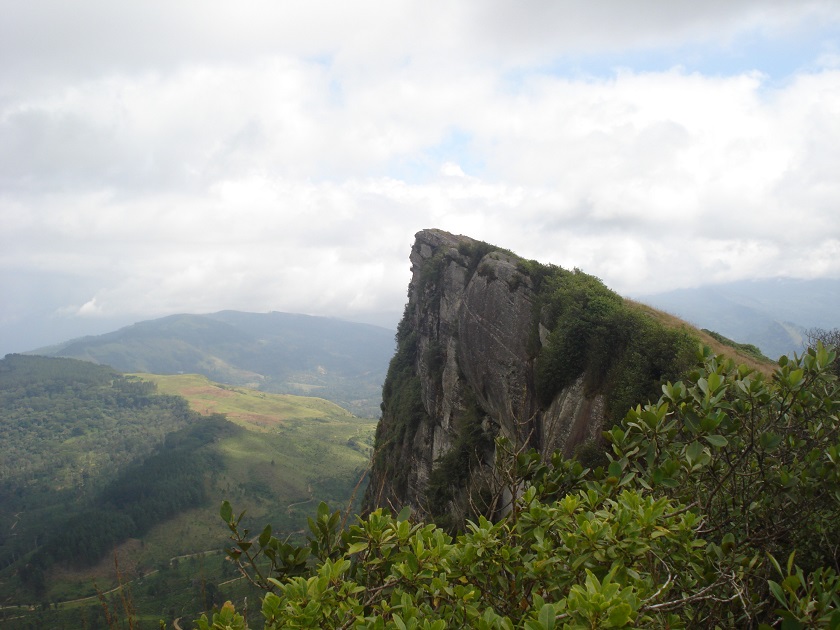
719 507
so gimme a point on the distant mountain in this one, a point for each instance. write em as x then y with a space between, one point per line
771 314
286 353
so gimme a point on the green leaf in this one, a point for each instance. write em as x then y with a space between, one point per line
775 564
790 583
619 616
357 547
547 616
226 512
627 479
716 440
790 562
265 536
796 378
412 562
715 381
769 441
693 451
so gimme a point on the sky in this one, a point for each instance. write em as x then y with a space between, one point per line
192 156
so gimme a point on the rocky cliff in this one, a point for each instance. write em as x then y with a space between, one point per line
471 365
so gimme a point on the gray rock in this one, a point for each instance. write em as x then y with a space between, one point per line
474 312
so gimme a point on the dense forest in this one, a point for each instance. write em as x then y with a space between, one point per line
145 494
67 425
90 458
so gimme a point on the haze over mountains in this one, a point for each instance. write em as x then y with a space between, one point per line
327 357
341 361
773 314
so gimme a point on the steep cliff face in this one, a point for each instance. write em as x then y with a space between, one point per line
466 371
493 345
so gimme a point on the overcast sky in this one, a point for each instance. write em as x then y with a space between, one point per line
192 156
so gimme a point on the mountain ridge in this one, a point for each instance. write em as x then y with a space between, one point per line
276 352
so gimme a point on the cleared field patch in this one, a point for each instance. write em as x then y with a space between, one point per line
251 408
295 449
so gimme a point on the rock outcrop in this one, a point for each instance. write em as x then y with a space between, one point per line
463 374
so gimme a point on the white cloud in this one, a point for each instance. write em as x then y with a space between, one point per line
54 38
282 157
450 169
90 308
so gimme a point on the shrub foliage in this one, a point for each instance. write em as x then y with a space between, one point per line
621 351
719 506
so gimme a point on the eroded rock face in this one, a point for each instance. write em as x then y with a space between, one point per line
471 332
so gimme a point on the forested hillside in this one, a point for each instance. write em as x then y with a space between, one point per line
69 428
96 420
90 459
97 463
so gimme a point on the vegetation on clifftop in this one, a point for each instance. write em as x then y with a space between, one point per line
620 351
747 348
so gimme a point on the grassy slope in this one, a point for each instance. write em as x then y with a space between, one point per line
250 408
298 451
672 321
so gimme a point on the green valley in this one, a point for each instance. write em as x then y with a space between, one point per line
101 469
